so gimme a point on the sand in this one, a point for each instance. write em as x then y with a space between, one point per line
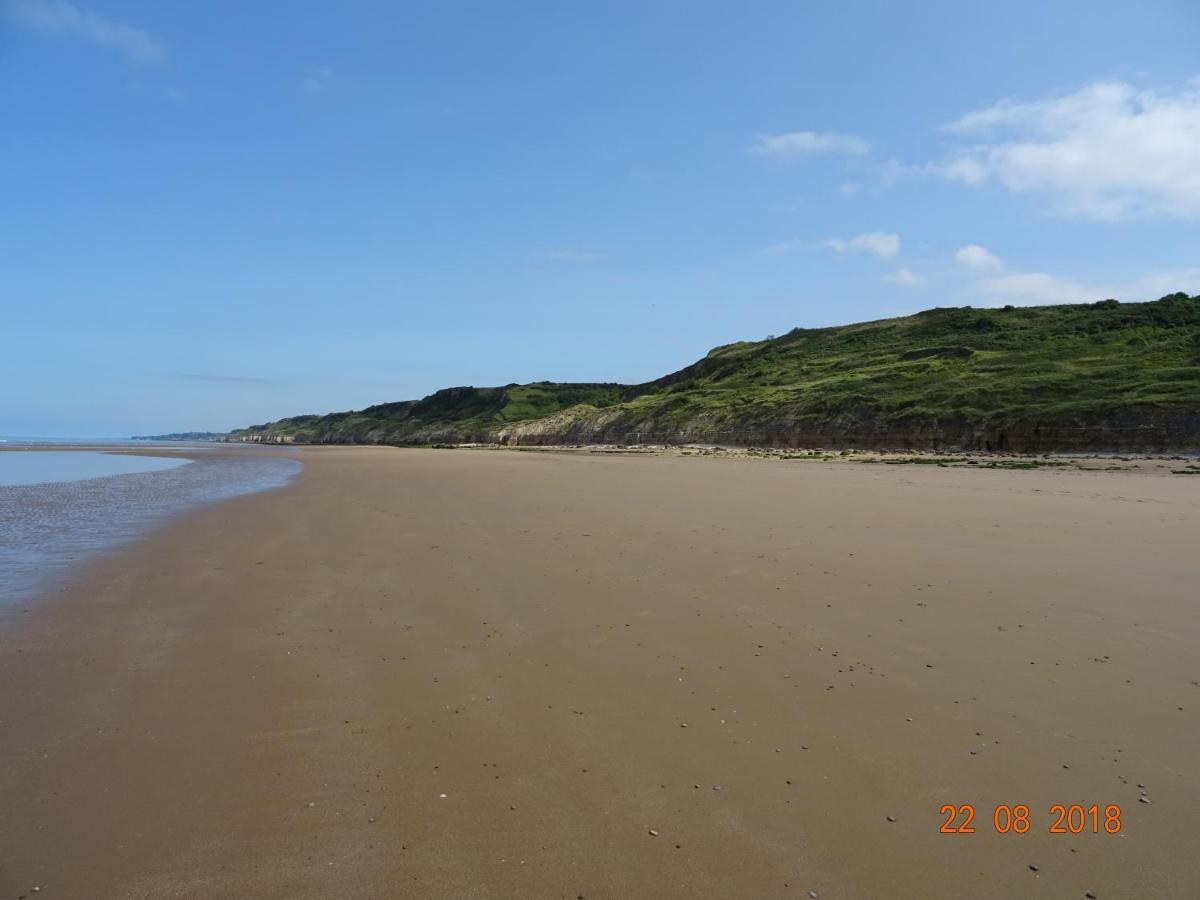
429 673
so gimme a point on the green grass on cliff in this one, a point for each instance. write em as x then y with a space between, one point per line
976 364
1079 364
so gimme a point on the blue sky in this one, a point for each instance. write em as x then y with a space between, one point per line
221 213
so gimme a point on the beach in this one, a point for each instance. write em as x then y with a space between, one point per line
474 673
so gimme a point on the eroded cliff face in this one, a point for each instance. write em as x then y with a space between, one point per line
1132 430
265 438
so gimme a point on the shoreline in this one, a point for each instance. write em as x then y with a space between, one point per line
270 695
1088 460
77 516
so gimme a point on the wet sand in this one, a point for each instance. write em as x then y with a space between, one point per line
424 673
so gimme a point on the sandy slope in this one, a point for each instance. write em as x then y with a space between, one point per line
494 674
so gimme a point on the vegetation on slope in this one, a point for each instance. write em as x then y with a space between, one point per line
455 413
1106 365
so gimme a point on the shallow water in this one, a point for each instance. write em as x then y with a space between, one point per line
48 466
46 529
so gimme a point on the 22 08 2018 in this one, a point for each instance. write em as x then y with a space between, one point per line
1062 819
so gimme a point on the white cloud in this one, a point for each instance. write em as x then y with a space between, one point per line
885 245
975 257
997 286
572 256
1105 152
905 277
57 17
804 144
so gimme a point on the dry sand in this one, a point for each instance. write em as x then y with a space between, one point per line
423 673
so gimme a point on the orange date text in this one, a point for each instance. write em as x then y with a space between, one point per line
1062 818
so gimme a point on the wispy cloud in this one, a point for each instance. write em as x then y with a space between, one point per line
789 247
1107 151
1036 289
884 244
567 255
224 379
60 18
993 283
905 277
318 80
996 285
803 144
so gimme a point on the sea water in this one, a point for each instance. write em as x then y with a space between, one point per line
60 508
50 467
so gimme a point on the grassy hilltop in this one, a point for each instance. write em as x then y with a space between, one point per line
1106 375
